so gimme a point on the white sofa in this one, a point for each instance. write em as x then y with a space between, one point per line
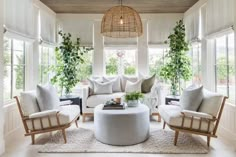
89 102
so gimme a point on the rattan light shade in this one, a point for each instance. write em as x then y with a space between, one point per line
130 27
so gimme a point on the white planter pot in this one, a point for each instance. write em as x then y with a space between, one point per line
133 103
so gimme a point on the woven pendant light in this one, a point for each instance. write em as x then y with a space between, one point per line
121 22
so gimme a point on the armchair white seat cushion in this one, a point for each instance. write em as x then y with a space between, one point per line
66 115
197 114
44 113
94 100
171 114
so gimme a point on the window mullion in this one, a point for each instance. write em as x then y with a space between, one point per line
227 62
12 54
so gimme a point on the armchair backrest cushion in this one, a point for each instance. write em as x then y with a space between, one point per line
28 103
191 98
47 97
211 103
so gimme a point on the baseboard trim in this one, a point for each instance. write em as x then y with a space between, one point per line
227 135
2 146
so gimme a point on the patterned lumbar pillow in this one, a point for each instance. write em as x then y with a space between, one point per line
47 97
103 88
116 83
133 86
147 84
191 98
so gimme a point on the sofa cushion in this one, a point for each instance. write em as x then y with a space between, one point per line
66 115
103 88
133 86
47 97
124 80
171 114
95 100
211 102
191 98
147 84
91 84
29 103
116 87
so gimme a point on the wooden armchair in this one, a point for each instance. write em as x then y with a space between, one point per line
204 122
36 122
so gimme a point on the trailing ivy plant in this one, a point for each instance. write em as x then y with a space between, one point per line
69 56
178 64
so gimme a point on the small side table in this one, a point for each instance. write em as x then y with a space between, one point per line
170 98
76 100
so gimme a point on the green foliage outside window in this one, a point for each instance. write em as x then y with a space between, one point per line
85 69
130 70
111 66
19 73
222 71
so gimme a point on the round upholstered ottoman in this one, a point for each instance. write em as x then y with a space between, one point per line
122 127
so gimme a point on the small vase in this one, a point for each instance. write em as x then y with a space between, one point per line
133 103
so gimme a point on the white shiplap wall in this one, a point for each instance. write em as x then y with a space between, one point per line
2 144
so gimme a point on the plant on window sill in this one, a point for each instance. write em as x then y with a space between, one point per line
178 65
69 57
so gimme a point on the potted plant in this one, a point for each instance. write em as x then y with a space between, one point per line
133 98
69 56
178 64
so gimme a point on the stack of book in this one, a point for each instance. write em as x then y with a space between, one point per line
112 105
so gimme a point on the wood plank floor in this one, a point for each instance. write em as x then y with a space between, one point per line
20 146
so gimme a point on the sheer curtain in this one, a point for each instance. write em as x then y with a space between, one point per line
220 15
47 26
19 17
192 25
160 28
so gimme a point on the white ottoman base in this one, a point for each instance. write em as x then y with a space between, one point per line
122 127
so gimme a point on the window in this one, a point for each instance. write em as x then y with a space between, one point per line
14 68
120 61
46 58
225 66
196 63
156 60
85 69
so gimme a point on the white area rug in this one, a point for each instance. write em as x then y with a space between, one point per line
81 140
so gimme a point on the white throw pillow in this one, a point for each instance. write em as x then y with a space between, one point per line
133 86
29 103
191 98
211 102
124 79
47 97
91 84
116 83
103 88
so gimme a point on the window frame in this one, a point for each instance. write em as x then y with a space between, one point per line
227 64
117 48
12 66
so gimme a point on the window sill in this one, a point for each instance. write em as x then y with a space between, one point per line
9 103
